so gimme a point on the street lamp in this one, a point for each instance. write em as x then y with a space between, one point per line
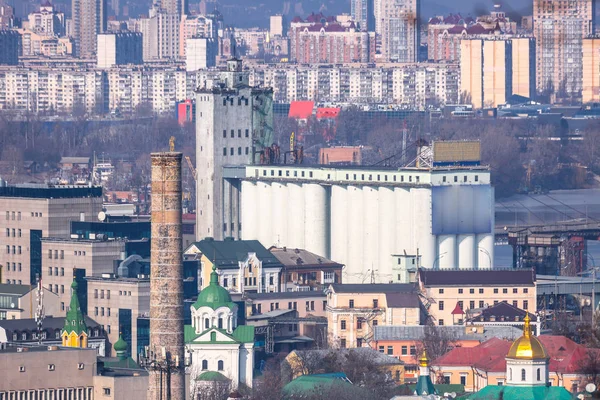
437 259
163 363
487 253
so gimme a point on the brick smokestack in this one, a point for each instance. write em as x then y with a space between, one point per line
166 278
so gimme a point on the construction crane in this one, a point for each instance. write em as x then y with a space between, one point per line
191 166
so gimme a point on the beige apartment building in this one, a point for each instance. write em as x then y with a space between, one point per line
450 294
108 295
493 69
353 310
60 257
590 91
30 212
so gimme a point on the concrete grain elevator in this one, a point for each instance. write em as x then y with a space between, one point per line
166 363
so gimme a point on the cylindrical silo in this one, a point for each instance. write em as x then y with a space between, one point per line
355 271
315 214
404 240
295 216
370 216
265 231
425 241
446 258
279 200
485 250
249 210
466 251
339 222
387 232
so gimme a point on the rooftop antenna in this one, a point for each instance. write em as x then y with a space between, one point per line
39 311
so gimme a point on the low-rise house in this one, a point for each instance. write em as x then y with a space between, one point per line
502 314
304 271
354 310
448 292
242 265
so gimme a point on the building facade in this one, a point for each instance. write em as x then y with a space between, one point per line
354 310
20 301
362 12
120 48
233 120
89 19
447 291
590 90
30 212
559 28
397 23
9 43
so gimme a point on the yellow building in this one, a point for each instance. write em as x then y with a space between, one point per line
353 310
591 70
493 69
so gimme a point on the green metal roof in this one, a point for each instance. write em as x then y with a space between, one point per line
425 386
228 253
244 334
74 321
493 392
308 383
214 295
212 376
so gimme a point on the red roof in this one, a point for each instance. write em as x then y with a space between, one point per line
328 112
457 310
566 356
301 109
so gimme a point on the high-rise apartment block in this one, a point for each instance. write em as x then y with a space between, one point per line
120 48
233 120
9 45
494 69
397 23
200 53
178 7
591 70
363 14
559 27
89 19
277 25
28 212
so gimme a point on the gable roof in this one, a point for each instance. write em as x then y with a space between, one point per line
18 290
373 287
49 323
301 109
492 277
402 300
300 258
502 311
225 254
487 352
492 392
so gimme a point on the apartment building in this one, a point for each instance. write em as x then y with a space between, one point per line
397 23
354 310
451 293
30 212
89 18
34 44
61 257
306 271
117 303
590 90
9 43
119 48
559 27
320 39
493 69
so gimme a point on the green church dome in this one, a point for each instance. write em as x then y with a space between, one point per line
120 345
214 295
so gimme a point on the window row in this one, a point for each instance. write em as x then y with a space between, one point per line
15 267
483 304
56 271
54 289
101 293
220 365
239 133
481 290
99 311
14 282
56 253
15 232
232 151
15 249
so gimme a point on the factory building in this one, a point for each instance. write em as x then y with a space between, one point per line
233 120
372 220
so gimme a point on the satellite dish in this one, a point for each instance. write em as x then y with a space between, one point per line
473 329
101 216
590 388
453 395
12 305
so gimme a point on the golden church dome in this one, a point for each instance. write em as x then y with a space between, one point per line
527 347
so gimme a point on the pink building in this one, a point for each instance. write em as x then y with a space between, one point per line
320 39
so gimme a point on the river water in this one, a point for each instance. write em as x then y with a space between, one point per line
557 205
